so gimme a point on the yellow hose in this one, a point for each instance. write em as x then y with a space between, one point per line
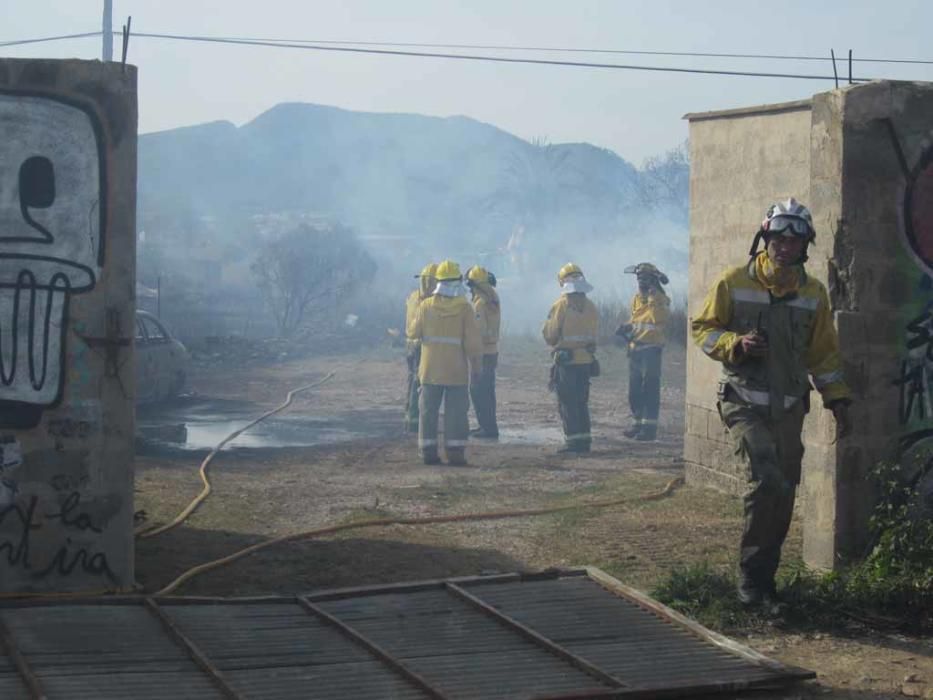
143 533
147 532
385 522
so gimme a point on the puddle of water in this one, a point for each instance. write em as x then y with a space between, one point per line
272 432
198 424
531 435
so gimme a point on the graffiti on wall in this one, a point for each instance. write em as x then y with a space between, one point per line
916 373
52 222
73 552
914 380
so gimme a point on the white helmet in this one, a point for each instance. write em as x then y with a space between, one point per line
788 218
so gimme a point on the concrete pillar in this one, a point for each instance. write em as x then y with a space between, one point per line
67 285
871 146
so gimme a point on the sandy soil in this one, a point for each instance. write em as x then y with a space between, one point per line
263 493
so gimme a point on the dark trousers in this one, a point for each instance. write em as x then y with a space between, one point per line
572 383
411 400
456 400
772 452
483 393
644 385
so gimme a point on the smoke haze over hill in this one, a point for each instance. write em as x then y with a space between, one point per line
413 188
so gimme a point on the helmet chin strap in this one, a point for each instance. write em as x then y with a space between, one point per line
753 251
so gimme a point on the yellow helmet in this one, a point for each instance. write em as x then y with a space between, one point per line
447 271
567 270
428 270
478 274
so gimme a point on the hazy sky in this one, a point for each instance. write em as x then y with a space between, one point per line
636 114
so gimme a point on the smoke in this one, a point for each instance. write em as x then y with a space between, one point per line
527 273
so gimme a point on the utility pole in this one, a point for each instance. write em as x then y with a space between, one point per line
107 31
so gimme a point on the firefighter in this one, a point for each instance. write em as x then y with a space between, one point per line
451 351
571 330
770 325
488 318
413 346
644 332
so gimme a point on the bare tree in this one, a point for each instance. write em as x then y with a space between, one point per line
535 175
665 183
304 269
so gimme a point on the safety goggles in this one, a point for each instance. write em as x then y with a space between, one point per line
789 225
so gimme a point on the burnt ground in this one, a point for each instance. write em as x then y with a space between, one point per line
357 464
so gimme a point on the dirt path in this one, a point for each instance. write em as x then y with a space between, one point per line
263 493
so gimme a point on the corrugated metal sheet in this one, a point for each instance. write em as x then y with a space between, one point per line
565 634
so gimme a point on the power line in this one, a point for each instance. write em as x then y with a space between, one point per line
565 49
474 57
20 42
492 47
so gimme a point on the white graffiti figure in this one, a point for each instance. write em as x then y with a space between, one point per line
51 188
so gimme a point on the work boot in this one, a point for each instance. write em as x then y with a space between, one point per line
429 456
748 591
483 434
573 448
647 433
456 457
772 604
634 431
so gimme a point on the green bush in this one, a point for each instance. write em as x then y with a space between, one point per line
705 594
897 575
891 586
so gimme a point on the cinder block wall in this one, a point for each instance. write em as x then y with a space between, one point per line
741 161
67 279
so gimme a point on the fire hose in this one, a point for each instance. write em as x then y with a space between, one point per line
668 489
200 569
146 532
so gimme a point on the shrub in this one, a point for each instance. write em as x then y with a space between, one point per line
892 586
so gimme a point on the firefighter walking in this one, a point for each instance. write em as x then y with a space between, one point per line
770 325
451 349
644 332
488 317
426 286
571 330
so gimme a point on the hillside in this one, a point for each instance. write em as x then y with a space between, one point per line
383 174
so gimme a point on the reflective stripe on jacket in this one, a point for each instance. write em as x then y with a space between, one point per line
488 316
649 317
450 340
801 340
573 324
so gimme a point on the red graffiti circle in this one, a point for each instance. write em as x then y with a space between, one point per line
920 212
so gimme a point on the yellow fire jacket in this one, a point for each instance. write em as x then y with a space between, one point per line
450 340
488 316
573 324
801 340
649 316
411 308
